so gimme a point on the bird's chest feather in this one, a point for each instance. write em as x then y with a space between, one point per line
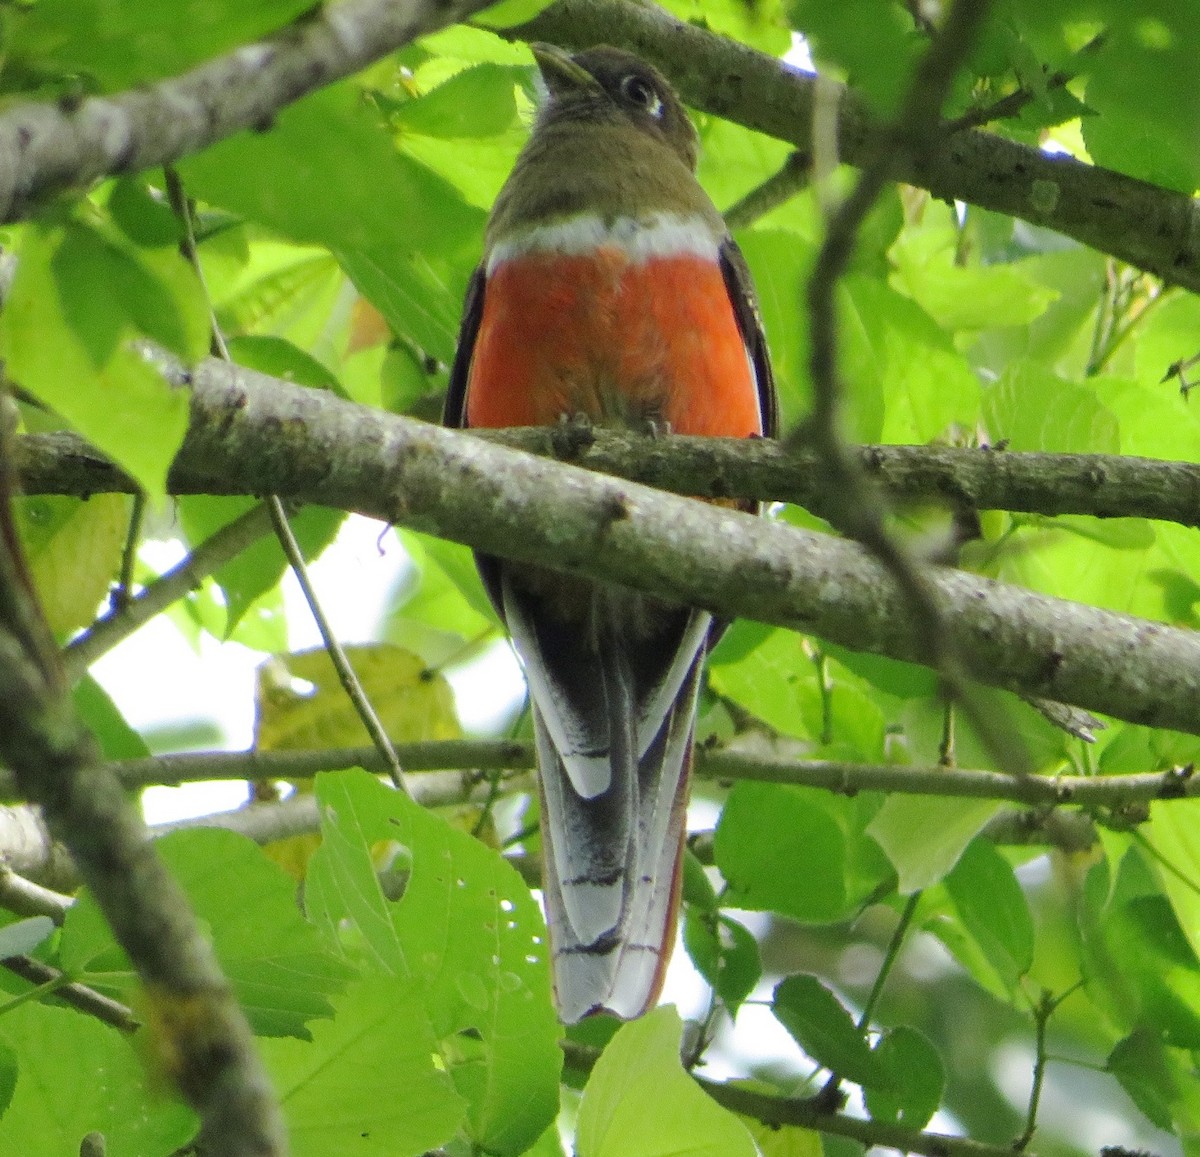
629 325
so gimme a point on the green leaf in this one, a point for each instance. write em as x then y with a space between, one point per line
144 218
1173 834
993 909
797 851
110 1090
258 568
1161 1081
375 1064
104 720
412 702
73 548
784 1140
280 969
924 837
916 1078
478 102
781 263
777 682
960 296
8 1076
724 953
819 1023
640 1103
326 172
1035 410
697 890
421 298
23 936
761 25
1139 965
1146 116
449 594
875 45
137 41
466 930
509 13
910 382
282 359
70 346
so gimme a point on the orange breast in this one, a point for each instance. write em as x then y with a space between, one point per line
620 340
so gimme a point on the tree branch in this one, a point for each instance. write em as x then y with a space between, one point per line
1101 485
47 148
177 583
78 996
205 1043
461 759
1153 228
286 440
809 1113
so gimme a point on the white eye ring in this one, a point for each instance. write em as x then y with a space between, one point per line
638 92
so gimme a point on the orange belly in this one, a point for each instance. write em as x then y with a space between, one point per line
623 342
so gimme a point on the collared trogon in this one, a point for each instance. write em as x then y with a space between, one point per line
611 290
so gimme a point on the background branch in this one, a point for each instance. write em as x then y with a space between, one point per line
46 148
1153 228
200 1030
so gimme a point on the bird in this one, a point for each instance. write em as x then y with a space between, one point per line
610 293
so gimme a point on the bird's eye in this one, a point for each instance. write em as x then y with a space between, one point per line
641 93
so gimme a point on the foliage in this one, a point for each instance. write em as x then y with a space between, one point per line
404 1001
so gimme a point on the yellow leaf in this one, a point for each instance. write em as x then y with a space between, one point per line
73 548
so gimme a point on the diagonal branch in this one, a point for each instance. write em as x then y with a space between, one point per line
200 1030
307 444
47 148
1153 228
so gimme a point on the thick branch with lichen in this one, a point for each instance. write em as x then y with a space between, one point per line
49 147
274 437
1102 485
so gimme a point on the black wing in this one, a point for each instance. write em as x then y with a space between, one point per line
454 414
745 308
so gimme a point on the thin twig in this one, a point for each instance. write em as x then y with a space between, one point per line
175 584
49 981
827 1095
341 663
123 592
776 190
27 898
280 523
856 509
889 960
1013 103
1105 792
1046 1007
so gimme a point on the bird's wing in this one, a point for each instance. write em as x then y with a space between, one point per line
745 308
454 412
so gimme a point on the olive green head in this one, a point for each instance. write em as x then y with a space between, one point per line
609 85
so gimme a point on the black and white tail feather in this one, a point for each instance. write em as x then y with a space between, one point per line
614 710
